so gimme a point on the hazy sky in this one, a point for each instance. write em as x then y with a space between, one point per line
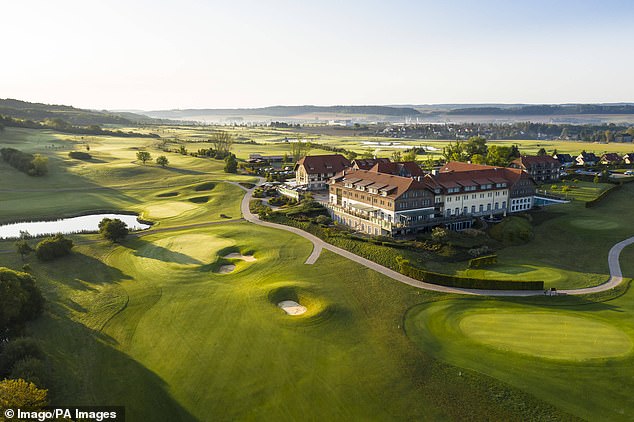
157 54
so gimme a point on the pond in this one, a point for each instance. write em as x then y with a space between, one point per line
84 223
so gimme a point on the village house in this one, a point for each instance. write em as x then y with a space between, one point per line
314 171
367 163
542 168
629 158
587 159
610 158
623 137
565 160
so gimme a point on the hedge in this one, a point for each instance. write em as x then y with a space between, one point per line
467 282
602 196
483 260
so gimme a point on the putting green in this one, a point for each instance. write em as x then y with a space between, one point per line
593 224
546 334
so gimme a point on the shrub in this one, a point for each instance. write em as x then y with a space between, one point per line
482 261
323 219
467 282
53 247
512 230
16 351
29 369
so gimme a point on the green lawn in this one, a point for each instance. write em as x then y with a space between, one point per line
573 353
577 190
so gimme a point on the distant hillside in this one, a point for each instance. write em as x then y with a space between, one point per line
75 116
285 111
545 110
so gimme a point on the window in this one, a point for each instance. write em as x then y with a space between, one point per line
481 207
473 209
489 207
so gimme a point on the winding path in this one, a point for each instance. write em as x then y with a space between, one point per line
616 276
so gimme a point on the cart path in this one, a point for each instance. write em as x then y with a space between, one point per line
616 276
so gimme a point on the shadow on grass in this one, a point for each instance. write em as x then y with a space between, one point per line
88 370
145 249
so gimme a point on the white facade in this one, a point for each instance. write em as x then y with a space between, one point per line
494 201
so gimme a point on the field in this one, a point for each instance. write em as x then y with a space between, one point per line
154 325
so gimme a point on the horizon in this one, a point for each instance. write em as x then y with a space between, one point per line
156 56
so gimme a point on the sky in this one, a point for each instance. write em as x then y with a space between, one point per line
167 54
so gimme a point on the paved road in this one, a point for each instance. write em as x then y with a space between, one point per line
616 277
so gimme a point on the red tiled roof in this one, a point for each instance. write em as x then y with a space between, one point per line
320 164
370 179
368 163
406 168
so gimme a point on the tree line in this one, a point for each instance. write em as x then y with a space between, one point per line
33 165
65 127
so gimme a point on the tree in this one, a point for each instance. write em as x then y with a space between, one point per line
499 155
162 161
455 152
23 248
478 159
222 142
410 155
113 229
351 155
182 150
20 300
21 394
475 145
396 156
299 150
231 164
609 136
143 156
596 179
542 152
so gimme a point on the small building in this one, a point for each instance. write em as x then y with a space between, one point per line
629 158
623 137
259 158
403 169
610 158
542 168
313 171
565 160
587 159
367 163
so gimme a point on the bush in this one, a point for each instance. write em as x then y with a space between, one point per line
53 247
29 369
17 350
79 155
323 219
467 282
482 261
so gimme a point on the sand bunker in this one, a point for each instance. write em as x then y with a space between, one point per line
235 255
226 269
291 307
